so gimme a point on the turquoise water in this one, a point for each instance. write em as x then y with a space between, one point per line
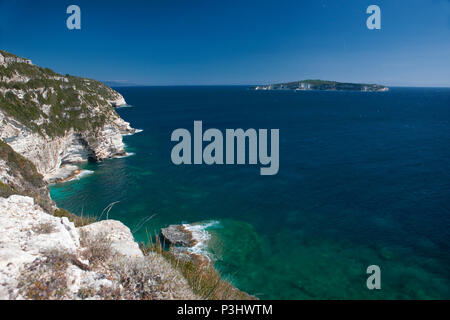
364 179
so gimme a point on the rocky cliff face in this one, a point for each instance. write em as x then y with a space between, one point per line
56 121
48 123
44 256
19 176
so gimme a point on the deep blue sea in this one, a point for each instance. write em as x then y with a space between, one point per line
364 180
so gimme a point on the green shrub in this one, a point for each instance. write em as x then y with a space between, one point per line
67 103
44 228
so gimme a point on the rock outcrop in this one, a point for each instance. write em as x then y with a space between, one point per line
119 236
19 176
45 257
48 124
52 155
184 244
177 235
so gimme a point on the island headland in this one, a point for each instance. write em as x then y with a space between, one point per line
307 85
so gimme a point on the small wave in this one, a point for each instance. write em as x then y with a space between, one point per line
128 154
132 134
82 174
201 236
125 106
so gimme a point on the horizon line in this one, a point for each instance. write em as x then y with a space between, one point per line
248 85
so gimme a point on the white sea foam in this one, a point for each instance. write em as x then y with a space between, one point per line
128 154
132 134
82 174
125 106
201 236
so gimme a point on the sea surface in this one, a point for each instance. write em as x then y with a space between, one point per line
364 180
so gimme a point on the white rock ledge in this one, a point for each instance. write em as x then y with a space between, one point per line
23 245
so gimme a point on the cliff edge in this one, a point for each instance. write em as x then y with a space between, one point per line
48 123
45 257
323 85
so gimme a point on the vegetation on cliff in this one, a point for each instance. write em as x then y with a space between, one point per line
47 102
19 176
40 100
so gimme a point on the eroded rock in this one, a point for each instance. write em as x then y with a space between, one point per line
177 235
44 257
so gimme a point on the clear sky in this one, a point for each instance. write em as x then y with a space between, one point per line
189 42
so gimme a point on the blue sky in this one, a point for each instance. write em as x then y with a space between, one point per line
189 42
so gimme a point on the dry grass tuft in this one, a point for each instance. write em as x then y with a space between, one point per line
44 228
204 279
148 279
97 248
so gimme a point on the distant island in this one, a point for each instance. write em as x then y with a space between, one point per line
306 85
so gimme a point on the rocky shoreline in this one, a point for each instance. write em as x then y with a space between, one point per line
58 121
46 257
45 132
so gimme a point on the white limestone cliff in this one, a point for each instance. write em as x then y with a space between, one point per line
48 124
55 155
42 256
51 155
